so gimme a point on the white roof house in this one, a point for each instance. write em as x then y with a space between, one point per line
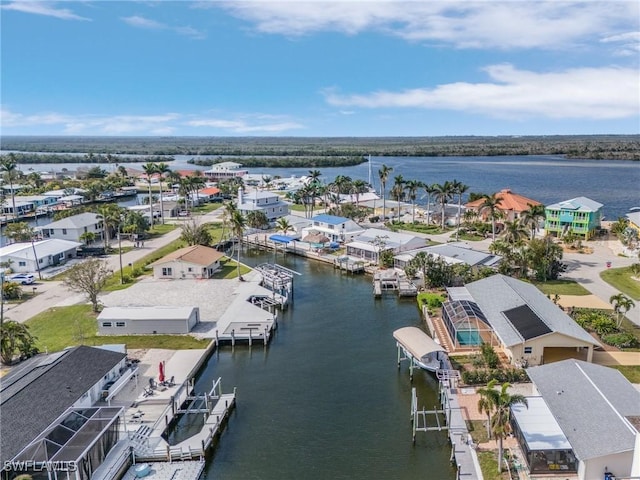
48 252
72 228
147 320
336 229
451 253
269 203
589 409
372 241
224 171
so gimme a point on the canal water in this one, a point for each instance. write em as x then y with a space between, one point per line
325 399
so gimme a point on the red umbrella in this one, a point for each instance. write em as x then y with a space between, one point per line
161 374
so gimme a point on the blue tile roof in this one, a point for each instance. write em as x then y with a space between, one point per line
330 219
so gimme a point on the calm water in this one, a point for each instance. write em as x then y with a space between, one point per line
325 399
548 179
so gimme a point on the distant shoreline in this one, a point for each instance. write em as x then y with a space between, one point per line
324 151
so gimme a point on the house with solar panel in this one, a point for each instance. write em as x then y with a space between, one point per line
582 421
516 318
580 215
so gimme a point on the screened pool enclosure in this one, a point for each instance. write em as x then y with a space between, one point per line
466 324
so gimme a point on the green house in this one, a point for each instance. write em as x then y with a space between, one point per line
580 215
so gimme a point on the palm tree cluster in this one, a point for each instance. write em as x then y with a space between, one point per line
497 403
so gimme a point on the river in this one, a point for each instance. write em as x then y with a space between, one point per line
546 178
325 399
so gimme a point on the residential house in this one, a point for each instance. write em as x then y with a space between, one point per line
511 205
74 227
634 220
516 317
195 261
269 203
392 208
451 253
52 403
580 215
334 228
147 320
371 242
23 207
225 171
583 421
31 257
210 194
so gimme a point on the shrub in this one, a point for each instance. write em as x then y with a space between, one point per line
621 340
11 290
374 219
604 325
489 355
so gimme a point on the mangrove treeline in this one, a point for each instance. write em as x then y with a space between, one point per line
618 147
90 158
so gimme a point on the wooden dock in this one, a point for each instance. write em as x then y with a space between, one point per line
349 265
392 281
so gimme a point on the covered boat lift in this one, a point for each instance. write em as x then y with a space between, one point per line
420 349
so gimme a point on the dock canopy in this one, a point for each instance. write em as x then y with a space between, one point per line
416 342
281 238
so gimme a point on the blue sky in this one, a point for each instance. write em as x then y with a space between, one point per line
336 68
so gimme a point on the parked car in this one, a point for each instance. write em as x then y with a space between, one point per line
22 278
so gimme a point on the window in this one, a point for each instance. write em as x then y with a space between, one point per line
22 264
167 271
189 269
64 231
528 350
121 324
107 324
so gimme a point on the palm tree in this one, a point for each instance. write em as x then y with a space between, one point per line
459 189
532 217
9 165
283 225
236 225
14 336
357 187
397 191
514 233
161 170
314 175
486 402
443 193
621 305
150 169
429 190
501 422
384 173
412 187
111 216
491 205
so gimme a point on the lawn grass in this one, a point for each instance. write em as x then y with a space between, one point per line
561 287
621 279
489 466
296 207
631 372
61 327
161 229
470 237
206 208
478 431
229 269
418 227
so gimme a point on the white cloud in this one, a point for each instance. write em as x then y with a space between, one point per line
43 8
582 93
150 24
464 24
241 126
164 124
628 43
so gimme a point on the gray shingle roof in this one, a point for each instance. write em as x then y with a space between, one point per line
76 221
38 393
499 293
581 204
589 402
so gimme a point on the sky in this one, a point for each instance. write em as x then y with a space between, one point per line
319 69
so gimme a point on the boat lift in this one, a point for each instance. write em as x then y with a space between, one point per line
419 349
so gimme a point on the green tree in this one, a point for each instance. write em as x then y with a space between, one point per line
397 191
514 233
194 233
429 190
256 219
443 193
621 305
15 338
412 187
459 189
112 216
88 237
19 232
383 174
501 421
88 277
487 402
162 169
237 225
491 207
284 226
150 170
532 217
9 165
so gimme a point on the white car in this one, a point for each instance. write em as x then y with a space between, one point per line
22 278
